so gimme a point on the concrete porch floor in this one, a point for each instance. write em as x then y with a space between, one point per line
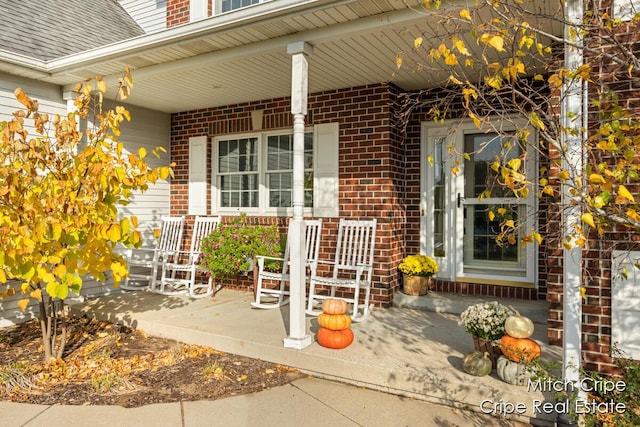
400 350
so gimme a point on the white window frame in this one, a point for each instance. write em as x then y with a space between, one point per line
218 6
263 191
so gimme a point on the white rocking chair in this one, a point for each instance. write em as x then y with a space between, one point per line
186 263
273 297
148 259
352 269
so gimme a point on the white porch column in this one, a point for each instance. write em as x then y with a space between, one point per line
298 337
572 109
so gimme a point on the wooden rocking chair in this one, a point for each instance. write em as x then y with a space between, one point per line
186 264
273 297
352 269
149 259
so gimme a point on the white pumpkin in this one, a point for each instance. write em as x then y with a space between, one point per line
518 326
512 372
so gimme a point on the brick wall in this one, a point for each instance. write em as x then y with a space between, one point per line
178 12
371 164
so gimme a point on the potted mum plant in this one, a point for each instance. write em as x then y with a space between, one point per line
417 271
231 248
485 322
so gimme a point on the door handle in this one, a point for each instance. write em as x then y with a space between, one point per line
460 199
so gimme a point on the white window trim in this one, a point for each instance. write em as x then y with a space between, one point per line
198 9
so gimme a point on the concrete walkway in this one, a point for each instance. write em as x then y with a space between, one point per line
405 365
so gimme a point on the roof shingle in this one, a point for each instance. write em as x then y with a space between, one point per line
50 29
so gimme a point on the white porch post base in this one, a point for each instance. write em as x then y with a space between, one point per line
298 343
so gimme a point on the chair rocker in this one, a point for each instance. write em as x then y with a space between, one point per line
277 296
352 270
186 264
148 259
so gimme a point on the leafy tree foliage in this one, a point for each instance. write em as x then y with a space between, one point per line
498 61
60 193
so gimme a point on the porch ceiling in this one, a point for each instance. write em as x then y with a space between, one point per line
213 63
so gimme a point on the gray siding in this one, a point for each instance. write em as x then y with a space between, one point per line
151 15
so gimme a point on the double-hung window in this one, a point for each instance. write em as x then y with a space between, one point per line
255 172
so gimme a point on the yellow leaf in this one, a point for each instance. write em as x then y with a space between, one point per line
564 175
623 192
538 237
509 223
3 276
164 172
502 211
398 61
23 304
451 59
587 218
430 160
567 246
37 294
60 270
142 152
497 42
417 42
464 14
491 216
583 292
595 178
115 233
462 48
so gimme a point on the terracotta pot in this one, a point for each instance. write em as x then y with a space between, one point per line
416 285
484 345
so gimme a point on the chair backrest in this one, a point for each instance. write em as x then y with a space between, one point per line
312 237
171 228
355 246
202 227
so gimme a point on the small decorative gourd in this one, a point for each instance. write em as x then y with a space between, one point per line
512 372
335 339
335 322
518 326
334 306
519 349
476 363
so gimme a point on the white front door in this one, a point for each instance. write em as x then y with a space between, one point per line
458 193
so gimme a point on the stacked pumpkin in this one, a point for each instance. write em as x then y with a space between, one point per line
518 350
334 329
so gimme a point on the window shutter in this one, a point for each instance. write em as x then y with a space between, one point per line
325 172
198 175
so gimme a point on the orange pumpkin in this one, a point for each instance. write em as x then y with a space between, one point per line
335 339
334 306
519 349
335 322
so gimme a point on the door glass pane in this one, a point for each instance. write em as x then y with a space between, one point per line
481 250
439 197
483 150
